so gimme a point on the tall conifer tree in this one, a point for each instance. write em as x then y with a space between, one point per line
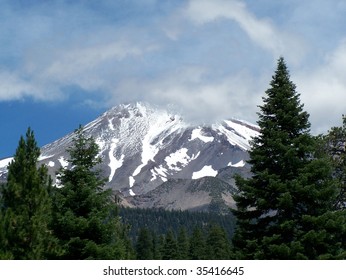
85 218
26 205
144 245
285 211
170 247
183 244
197 250
218 247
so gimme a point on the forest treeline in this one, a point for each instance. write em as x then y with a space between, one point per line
159 221
293 206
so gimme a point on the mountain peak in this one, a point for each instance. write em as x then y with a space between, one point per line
145 111
142 146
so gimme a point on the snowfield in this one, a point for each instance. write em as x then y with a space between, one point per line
5 162
205 171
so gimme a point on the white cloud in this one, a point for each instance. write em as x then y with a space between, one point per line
13 87
212 58
263 32
323 89
198 98
84 66
46 71
52 46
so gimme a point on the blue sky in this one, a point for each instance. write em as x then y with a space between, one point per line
63 63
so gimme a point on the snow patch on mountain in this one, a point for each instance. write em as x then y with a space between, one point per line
93 124
131 192
159 123
237 133
149 150
205 171
110 124
5 162
101 144
131 181
63 161
159 172
114 163
242 130
179 159
238 164
197 134
44 157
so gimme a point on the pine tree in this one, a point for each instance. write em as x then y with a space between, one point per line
26 205
85 218
156 247
218 247
170 247
285 211
144 245
197 242
183 244
5 253
159 244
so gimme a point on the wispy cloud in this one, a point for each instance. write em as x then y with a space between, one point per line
91 68
212 59
262 31
200 99
324 88
13 88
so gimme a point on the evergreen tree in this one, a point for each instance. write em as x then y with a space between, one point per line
144 245
197 242
85 217
218 247
183 244
281 208
159 244
170 247
26 205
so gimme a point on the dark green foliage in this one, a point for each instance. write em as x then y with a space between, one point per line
159 220
158 242
85 217
197 250
26 206
324 236
170 247
212 244
185 232
334 144
183 244
218 247
145 245
159 247
280 208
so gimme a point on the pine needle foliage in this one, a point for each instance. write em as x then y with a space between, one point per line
26 205
286 209
334 144
86 218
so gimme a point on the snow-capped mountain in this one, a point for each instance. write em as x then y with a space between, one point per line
143 147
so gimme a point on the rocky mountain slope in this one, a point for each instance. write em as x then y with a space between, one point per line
152 158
